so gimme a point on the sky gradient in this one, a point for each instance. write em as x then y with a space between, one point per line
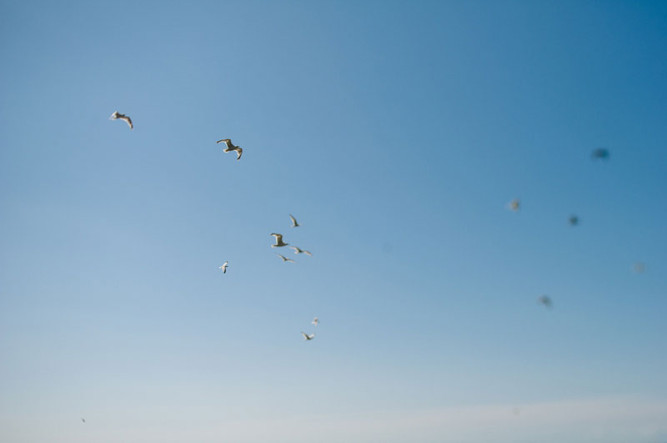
396 132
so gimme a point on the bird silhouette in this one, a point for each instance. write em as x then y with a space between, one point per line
545 300
279 241
600 153
224 266
230 147
118 116
300 251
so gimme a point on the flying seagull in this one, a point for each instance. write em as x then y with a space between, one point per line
308 337
285 258
294 223
300 251
514 205
83 419
545 300
279 241
600 153
118 116
223 268
315 321
574 220
230 147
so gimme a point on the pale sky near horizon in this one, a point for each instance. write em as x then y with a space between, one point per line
396 132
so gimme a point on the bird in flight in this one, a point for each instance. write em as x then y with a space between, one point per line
285 258
83 419
514 205
230 147
600 153
315 321
574 220
307 337
223 268
279 241
294 222
300 251
545 300
118 116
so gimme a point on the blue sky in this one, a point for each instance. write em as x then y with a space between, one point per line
396 133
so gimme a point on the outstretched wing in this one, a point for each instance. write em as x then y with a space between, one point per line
279 237
128 120
226 141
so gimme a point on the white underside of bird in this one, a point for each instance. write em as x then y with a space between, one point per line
315 321
300 251
307 337
279 241
223 268
230 147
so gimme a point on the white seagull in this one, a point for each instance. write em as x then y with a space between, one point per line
294 223
315 321
545 300
279 241
307 337
514 205
223 268
300 251
118 116
285 258
230 147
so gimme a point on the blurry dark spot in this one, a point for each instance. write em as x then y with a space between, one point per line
600 153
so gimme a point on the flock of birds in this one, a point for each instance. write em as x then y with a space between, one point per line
573 220
279 243
514 205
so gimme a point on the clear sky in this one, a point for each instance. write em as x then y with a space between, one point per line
396 132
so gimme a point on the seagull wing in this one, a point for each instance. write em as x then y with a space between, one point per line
226 141
239 152
279 237
294 223
128 120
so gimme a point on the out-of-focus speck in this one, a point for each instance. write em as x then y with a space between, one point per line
83 419
574 220
545 300
516 411
387 248
514 205
600 154
639 267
